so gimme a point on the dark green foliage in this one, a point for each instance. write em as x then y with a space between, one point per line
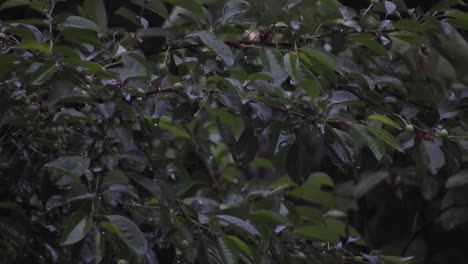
267 131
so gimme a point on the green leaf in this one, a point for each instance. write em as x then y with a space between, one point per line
81 36
457 180
216 45
99 246
114 177
410 25
311 190
384 120
107 109
72 166
386 137
241 246
157 187
342 96
44 73
411 38
226 135
262 162
271 61
312 87
59 90
331 7
34 46
369 42
90 67
329 231
235 11
166 124
129 232
96 10
327 60
375 145
260 76
311 214
76 228
453 218
152 32
246 147
394 260
292 65
460 19
80 23
389 7
298 164
155 6
127 14
370 181
14 3
26 32
342 146
70 114
244 225
193 6
227 252
432 156
55 201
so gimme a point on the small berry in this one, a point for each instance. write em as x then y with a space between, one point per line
443 133
409 128
178 85
162 67
184 244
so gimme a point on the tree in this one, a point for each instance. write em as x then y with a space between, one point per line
242 132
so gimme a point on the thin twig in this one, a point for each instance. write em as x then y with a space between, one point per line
138 22
422 228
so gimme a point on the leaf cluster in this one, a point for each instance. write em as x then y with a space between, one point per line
249 132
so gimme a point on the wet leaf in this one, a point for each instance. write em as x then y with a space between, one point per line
76 228
72 166
432 156
246 226
129 232
370 181
384 120
459 179
218 46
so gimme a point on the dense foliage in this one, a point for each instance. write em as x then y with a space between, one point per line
242 131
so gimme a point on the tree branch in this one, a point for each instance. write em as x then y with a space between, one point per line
283 44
